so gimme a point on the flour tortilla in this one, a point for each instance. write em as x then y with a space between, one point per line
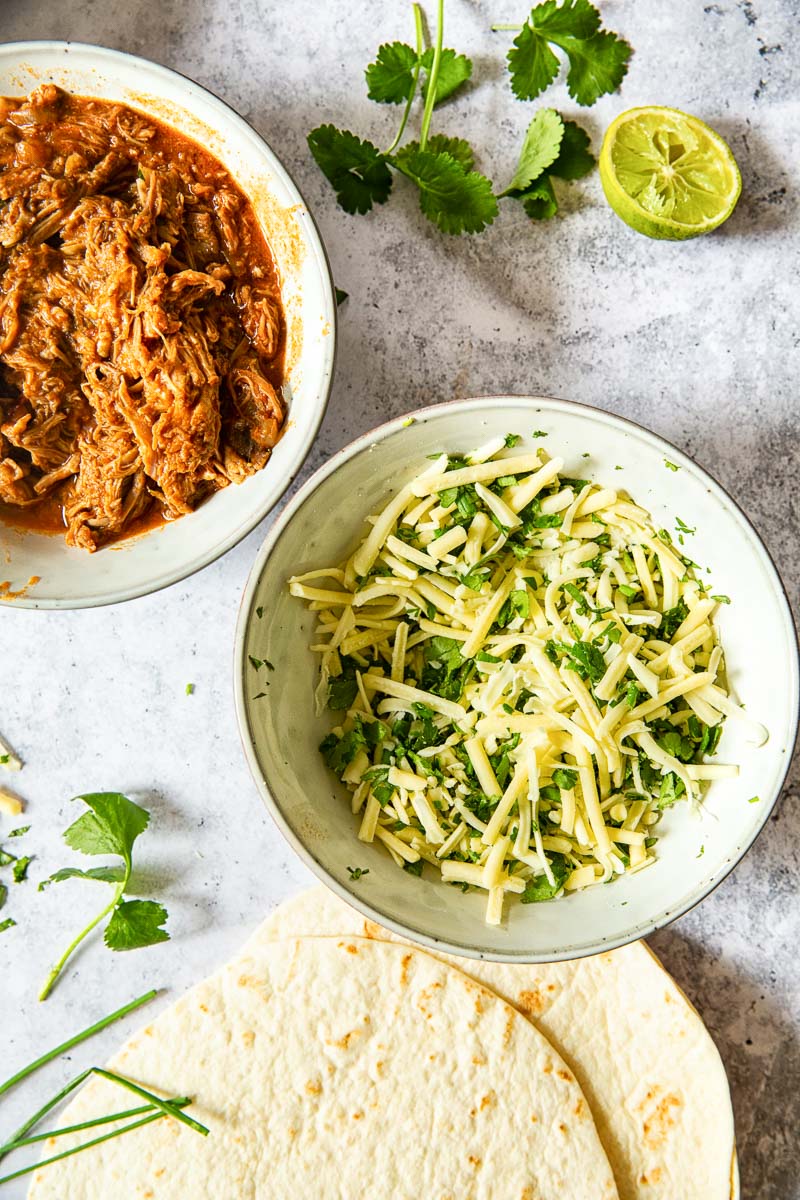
339 1069
647 1065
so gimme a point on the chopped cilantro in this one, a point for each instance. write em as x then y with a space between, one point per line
7 924
540 888
754 800
357 872
190 689
722 599
20 868
512 439
671 466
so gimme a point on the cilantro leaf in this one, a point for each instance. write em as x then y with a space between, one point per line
564 778
7 924
575 159
391 77
454 70
103 874
356 873
343 689
458 148
136 923
111 827
587 660
598 60
3 894
455 200
540 148
539 201
20 868
356 169
531 64
5 858
540 888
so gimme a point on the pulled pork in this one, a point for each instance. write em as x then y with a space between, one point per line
141 329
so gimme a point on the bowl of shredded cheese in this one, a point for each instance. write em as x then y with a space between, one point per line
500 682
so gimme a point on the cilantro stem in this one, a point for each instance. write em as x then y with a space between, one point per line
510 28
433 77
72 947
45 1162
407 110
77 1039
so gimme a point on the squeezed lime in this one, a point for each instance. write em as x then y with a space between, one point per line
667 174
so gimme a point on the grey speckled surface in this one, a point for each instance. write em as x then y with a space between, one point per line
698 341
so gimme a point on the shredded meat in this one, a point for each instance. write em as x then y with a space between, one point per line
141 328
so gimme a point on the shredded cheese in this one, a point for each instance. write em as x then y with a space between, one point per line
531 676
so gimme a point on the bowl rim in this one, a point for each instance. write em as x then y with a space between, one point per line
641 929
316 247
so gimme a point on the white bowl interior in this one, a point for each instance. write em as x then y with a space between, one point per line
281 732
71 578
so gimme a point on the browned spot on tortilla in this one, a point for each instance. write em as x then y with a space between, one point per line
527 1193
248 1037
488 1099
473 1112
563 1128
431 1057
406 959
478 1005
331 1068
580 1107
653 1178
371 930
351 949
203 1008
532 1003
358 1116
547 1068
344 1042
292 1132
509 1027
313 1087
534 1118
565 1075
660 1118
245 981
476 1162
479 1060
159 1172
667 998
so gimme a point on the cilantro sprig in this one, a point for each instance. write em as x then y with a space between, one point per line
111 826
598 59
452 193
552 147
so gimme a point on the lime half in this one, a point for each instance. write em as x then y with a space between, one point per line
668 175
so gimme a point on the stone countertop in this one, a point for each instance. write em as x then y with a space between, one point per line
698 341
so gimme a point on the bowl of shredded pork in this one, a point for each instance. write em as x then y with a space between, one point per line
167 326
501 683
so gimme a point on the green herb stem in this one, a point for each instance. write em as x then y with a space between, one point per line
46 1162
165 1107
433 77
77 1039
178 1102
506 28
72 947
412 94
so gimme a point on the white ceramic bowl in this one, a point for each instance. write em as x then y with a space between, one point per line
324 522
71 578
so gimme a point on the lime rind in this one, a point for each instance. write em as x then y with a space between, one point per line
667 174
